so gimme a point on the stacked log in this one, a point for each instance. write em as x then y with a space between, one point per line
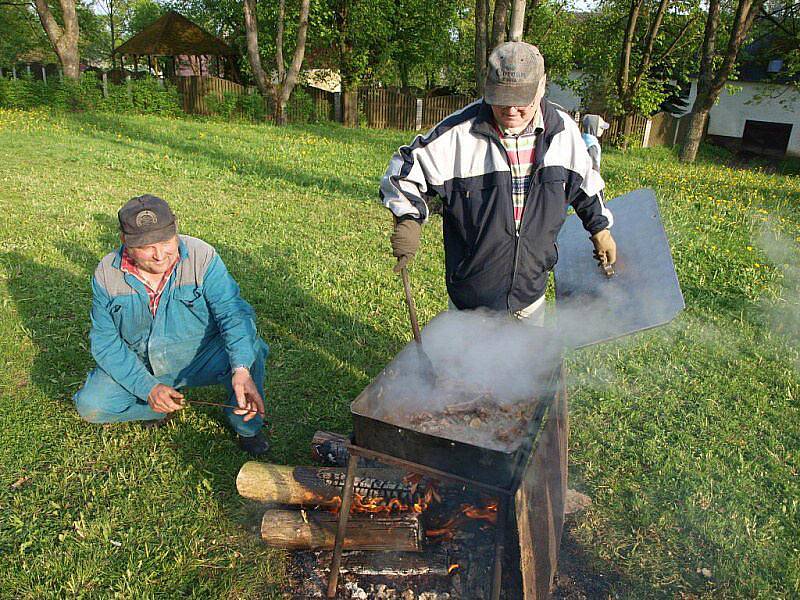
316 530
320 488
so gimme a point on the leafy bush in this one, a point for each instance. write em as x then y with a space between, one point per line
252 106
226 105
301 107
152 98
145 96
80 95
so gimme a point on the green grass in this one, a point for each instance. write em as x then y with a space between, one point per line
686 438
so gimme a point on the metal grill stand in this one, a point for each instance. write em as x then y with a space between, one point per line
354 452
530 510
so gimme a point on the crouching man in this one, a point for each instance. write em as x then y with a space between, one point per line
166 314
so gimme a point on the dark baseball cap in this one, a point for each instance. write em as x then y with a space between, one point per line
515 70
146 220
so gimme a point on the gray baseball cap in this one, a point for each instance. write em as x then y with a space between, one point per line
515 70
146 220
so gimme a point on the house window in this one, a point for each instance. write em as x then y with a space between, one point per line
764 137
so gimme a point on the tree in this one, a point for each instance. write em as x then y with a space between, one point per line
139 15
282 89
714 73
633 49
63 37
481 17
114 11
20 35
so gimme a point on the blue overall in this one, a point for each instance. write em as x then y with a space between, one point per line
202 330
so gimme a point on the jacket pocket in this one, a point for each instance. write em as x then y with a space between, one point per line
192 307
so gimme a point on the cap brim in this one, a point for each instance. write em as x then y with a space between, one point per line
510 95
151 237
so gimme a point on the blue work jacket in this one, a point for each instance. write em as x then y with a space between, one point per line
200 312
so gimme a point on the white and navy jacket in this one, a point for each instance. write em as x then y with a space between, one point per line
487 263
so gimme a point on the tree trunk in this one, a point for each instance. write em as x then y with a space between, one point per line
481 17
517 20
350 104
254 58
499 22
316 530
289 78
63 39
709 83
694 135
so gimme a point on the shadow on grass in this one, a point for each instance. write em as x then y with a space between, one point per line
302 176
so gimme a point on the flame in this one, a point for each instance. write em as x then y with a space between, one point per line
487 513
379 505
447 531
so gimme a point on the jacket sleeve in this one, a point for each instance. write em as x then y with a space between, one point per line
595 156
410 176
110 351
585 192
234 317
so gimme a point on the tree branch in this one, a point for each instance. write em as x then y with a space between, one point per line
674 43
644 66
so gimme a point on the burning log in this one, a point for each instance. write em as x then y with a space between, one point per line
322 486
316 530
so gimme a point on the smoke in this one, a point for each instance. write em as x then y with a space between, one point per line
783 311
506 360
476 352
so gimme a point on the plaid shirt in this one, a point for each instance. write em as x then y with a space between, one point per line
154 295
520 148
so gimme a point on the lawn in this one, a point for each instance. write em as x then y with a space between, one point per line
686 438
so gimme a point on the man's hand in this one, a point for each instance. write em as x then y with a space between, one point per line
164 399
405 241
247 396
605 248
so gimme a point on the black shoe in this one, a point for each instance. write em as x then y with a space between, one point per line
255 446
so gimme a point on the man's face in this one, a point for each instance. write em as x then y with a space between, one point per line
515 117
156 258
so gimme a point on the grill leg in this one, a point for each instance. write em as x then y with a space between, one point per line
499 547
344 515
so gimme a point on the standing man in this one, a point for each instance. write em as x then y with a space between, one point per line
593 128
166 314
507 168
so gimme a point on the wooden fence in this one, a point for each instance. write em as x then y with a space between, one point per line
385 109
436 108
381 108
196 89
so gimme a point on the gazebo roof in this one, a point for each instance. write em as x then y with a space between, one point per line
173 35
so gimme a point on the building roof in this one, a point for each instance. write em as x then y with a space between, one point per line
173 35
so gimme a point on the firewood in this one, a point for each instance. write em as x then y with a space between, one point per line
319 486
329 448
316 530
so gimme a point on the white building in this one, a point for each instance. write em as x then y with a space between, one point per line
755 116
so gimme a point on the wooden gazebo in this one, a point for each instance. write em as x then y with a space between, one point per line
184 44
